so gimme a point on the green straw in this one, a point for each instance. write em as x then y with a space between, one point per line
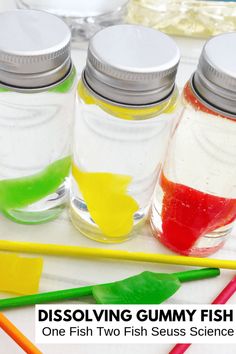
74 293
197 274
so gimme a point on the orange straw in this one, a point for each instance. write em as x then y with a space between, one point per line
17 336
221 299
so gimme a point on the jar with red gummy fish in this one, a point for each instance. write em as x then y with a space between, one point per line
195 202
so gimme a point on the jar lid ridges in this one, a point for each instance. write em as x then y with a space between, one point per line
215 78
131 64
35 51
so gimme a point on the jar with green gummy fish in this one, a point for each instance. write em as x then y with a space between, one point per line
128 101
37 94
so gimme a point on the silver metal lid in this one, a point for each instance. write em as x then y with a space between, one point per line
34 49
215 78
131 65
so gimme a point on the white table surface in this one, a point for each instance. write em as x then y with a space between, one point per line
62 273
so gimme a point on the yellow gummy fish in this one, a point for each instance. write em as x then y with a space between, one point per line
109 205
20 275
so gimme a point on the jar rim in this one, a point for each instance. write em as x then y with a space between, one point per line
119 104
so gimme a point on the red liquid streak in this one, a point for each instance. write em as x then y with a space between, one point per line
188 214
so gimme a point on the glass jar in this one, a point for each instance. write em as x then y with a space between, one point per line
127 106
195 201
195 18
37 95
84 18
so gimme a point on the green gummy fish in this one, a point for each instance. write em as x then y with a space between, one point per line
21 192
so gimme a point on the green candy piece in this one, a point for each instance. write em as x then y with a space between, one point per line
3 89
139 289
21 192
145 288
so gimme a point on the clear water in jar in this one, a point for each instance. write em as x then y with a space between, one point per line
115 166
195 200
35 145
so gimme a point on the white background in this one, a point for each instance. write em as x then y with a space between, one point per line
65 273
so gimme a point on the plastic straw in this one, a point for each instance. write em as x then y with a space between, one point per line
221 299
17 336
77 251
74 293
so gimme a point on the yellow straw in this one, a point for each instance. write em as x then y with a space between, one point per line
77 251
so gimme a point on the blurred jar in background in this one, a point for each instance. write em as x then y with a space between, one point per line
84 18
195 18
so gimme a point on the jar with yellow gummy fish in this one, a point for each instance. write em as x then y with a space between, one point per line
128 102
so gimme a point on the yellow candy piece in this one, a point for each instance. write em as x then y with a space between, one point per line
128 113
110 206
20 275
